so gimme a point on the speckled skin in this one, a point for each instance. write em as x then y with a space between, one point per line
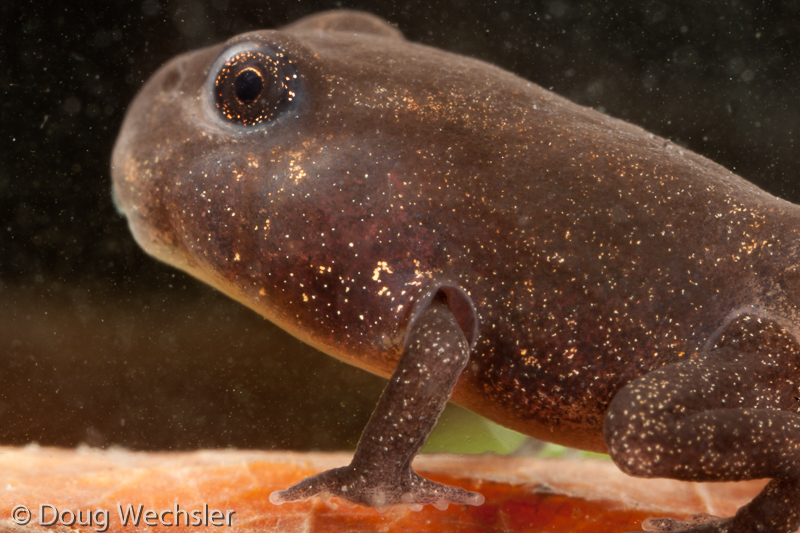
380 474
597 257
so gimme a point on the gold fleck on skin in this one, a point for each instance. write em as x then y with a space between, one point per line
435 219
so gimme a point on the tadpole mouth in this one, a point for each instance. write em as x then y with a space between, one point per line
116 201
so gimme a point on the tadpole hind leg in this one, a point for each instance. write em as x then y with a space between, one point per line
725 415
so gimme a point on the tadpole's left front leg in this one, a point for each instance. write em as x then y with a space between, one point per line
380 474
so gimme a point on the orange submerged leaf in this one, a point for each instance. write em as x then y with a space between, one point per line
522 494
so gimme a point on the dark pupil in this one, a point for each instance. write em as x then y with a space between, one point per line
248 86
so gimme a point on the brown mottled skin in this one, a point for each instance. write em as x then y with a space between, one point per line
612 291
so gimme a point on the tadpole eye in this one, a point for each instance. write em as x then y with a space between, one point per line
252 84
248 86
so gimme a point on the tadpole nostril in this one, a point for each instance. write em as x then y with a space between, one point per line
171 80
